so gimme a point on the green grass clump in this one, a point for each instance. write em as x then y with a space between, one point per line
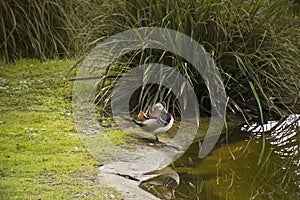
34 29
48 29
255 45
41 155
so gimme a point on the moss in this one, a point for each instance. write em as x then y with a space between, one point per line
41 154
117 137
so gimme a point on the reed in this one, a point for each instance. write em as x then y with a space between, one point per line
254 43
50 28
31 29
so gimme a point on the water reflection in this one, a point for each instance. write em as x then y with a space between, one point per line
253 162
283 135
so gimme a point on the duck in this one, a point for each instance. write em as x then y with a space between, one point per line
156 120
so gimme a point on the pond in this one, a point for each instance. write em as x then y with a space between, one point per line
249 162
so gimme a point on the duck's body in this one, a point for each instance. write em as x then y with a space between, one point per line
156 120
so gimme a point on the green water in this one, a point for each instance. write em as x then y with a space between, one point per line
247 165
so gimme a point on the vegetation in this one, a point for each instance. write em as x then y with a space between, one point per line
41 154
254 43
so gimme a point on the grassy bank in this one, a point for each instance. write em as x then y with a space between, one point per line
41 155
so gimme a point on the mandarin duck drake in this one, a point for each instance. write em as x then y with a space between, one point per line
156 120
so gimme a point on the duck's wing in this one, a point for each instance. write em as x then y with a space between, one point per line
164 119
161 121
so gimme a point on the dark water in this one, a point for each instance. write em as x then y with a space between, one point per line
253 162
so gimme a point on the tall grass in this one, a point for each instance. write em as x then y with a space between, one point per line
33 29
50 28
254 43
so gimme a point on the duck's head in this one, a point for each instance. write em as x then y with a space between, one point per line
161 106
158 109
